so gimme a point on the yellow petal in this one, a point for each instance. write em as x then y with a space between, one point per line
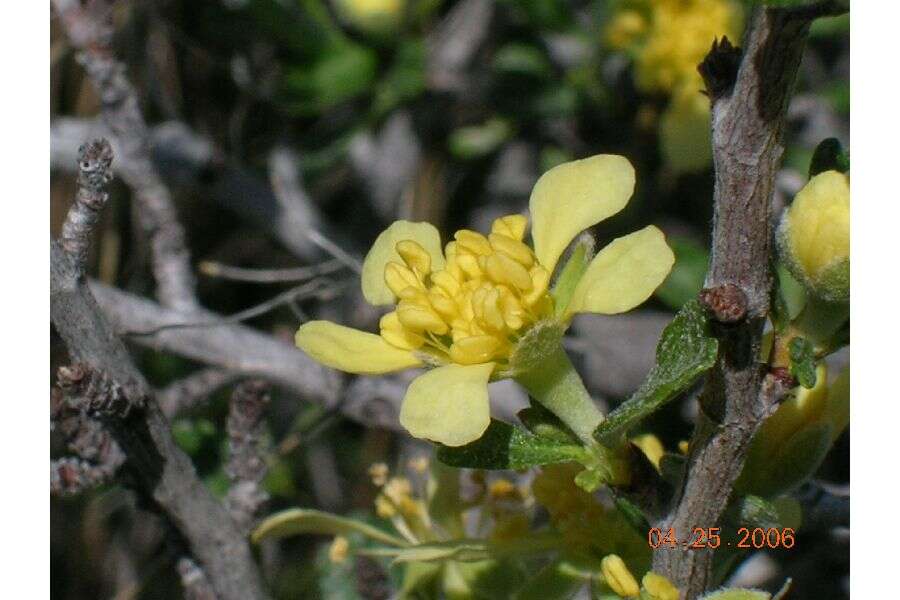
624 274
448 404
569 198
384 250
351 350
512 226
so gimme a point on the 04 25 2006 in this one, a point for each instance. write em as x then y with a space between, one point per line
710 537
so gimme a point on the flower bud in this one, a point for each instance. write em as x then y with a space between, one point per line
814 236
375 17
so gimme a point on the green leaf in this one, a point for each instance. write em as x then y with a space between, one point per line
522 59
296 521
477 141
469 550
803 361
755 511
556 581
687 275
829 156
686 350
504 446
419 577
544 424
345 71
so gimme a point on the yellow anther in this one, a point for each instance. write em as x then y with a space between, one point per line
420 318
491 315
419 464
472 241
512 226
469 265
447 282
540 279
513 313
684 446
396 489
378 472
618 577
384 508
339 549
474 349
517 251
503 489
415 257
503 269
394 333
399 277
658 587
443 304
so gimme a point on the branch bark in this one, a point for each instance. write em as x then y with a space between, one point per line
118 396
748 112
89 27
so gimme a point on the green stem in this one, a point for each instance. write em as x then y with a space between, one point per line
555 383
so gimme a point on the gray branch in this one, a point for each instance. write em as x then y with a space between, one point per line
748 113
194 389
89 27
246 465
94 161
117 394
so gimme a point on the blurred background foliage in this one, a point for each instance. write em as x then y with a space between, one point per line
420 109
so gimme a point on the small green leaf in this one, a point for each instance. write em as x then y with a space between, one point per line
504 446
468 550
686 350
755 511
803 361
296 521
556 581
477 141
829 156
544 424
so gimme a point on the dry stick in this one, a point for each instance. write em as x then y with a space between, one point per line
748 110
160 469
89 28
192 390
246 465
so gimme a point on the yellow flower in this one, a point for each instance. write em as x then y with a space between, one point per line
824 406
339 549
658 587
814 236
376 17
466 311
618 577
669 38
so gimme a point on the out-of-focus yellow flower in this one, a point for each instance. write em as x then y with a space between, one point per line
339 549
684 133
669 38
823 405
658 587
379 473
466 309
618 577
814 236
651 447
376 17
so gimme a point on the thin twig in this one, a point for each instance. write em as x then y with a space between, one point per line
89 26
186 393
246 466
119 396
319 288
94 161
288 275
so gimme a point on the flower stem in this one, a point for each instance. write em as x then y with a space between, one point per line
556 384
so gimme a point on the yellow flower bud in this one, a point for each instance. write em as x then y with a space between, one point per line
658 587
814 236
378 472
618 577
375 17
651 447
339 549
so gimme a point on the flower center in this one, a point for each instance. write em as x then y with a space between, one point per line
475 309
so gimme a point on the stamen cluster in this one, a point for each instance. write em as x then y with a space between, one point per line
474 309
